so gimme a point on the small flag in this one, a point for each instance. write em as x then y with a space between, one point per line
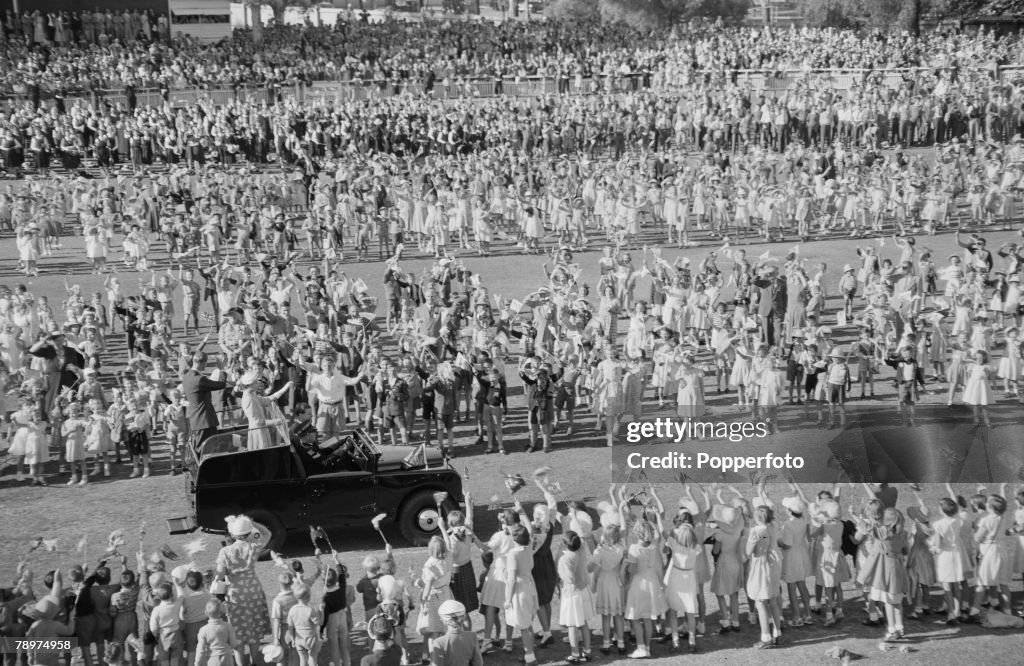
50 545
195 546
82 543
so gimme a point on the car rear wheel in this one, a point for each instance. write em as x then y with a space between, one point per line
271 533
418 519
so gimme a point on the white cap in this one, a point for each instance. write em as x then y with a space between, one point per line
451 607
239 526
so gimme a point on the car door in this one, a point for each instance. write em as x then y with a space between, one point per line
341 498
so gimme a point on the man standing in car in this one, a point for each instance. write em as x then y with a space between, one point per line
198 390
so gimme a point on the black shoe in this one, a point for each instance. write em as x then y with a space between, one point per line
872 623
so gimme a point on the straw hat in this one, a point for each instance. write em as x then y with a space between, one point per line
272 654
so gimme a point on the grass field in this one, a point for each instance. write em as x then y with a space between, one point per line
581 462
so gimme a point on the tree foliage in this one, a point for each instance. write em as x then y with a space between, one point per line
873 14
649 13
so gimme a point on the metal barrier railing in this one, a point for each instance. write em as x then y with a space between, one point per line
343 91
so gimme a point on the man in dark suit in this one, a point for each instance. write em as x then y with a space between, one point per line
64 364
198 390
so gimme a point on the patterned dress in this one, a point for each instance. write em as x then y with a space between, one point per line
248 611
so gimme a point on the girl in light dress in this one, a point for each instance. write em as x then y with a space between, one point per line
885 571
577 605
770 387
764 576
74 430
609 399
949 553
645 598
794 541
1010 364
492 592
435 589
637 335
729 530
520 591
920 569
29 445
666 366
606 570
681 578
830 567
976 387
690 382
745 349
721 344
956 371
994 535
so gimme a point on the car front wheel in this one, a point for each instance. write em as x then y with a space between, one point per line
272 533
418 519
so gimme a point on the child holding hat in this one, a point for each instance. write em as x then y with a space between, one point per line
217 644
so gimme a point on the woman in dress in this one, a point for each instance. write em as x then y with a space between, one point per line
645 597
520 592
435 589
577 605
545 576
248 612
765 576
976 387
681 585
267 425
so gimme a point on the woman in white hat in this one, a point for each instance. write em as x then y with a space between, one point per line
249 613
267 425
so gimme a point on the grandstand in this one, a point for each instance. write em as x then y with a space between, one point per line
783 13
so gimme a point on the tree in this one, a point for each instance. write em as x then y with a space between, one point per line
574 10
649 13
